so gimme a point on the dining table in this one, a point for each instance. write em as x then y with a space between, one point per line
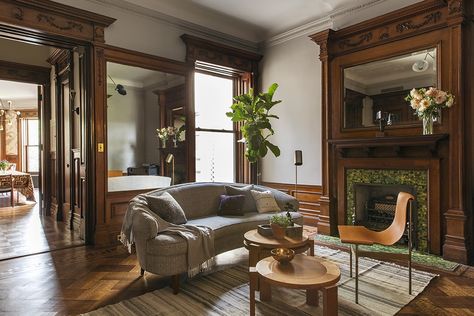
20 181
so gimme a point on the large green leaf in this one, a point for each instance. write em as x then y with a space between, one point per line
274 149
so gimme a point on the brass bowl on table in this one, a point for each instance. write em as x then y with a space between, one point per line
283 255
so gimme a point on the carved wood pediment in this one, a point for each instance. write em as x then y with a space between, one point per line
54 18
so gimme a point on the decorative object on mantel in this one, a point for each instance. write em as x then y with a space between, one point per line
252 111
428 104
166 132
384 119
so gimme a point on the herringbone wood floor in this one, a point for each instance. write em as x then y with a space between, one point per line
77 280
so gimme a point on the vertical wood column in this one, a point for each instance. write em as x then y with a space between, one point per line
99 123
327 215
454 247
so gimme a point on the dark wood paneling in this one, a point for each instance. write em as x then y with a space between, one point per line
308 196
446 25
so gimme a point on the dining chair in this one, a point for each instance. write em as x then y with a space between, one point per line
6 186
21 181
360 235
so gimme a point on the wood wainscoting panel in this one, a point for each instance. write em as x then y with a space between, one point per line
116 204
308 197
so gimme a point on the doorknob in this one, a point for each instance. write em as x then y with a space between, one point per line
67 165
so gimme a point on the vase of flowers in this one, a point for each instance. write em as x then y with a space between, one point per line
428 104
162 134
173 133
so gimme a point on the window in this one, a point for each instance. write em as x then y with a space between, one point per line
30 129
215 158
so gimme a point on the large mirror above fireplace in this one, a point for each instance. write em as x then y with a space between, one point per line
382 86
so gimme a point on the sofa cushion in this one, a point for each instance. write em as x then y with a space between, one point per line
265 201
199 199
227 225
166 207
249 204
231 205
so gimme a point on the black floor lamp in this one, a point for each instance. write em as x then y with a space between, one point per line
298 162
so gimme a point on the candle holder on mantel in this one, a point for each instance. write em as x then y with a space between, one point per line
384 119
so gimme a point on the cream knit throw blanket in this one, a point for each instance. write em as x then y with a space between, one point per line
199 239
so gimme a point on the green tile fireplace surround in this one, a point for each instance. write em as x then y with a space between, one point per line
418 179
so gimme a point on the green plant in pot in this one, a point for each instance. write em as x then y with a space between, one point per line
279 223
4 165
252 110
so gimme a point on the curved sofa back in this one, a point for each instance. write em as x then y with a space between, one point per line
201 199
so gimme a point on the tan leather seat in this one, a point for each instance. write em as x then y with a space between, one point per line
360 235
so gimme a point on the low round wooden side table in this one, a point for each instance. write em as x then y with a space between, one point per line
259 246
303 272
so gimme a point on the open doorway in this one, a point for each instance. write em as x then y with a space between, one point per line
38 144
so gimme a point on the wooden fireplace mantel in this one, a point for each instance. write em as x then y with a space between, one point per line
397 143
447 25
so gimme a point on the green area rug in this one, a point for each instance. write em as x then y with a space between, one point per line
417 257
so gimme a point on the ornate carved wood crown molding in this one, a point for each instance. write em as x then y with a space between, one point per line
420 18
54 18
198 49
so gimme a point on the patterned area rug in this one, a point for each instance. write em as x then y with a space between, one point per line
383 290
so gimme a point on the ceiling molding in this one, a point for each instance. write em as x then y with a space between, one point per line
319 24
186 26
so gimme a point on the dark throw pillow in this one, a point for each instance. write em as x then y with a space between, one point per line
166 207
231 205
249 204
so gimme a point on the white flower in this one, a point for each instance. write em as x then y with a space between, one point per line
450 101
415 94
415 103
432 92
424 104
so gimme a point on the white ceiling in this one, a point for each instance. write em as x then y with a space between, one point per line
253 20
141 77
22 95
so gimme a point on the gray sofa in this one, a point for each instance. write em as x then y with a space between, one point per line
166 254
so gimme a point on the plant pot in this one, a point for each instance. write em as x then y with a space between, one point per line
279 232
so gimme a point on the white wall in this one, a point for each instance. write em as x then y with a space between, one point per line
152 122
137 32
125 132
295 66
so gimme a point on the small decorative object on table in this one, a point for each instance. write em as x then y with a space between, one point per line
283 255
279 223
293 230
428 104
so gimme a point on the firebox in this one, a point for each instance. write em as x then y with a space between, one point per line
375 207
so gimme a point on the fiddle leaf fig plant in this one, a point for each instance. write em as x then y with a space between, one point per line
253 111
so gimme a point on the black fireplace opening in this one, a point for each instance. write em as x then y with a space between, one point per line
375 207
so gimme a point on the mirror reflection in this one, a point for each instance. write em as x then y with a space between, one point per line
379 88
141 103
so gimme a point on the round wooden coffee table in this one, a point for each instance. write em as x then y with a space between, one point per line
303 272
259 246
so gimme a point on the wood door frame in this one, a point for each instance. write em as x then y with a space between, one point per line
40 76
107 227
50 23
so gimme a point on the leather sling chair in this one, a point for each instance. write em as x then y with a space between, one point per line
360 235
